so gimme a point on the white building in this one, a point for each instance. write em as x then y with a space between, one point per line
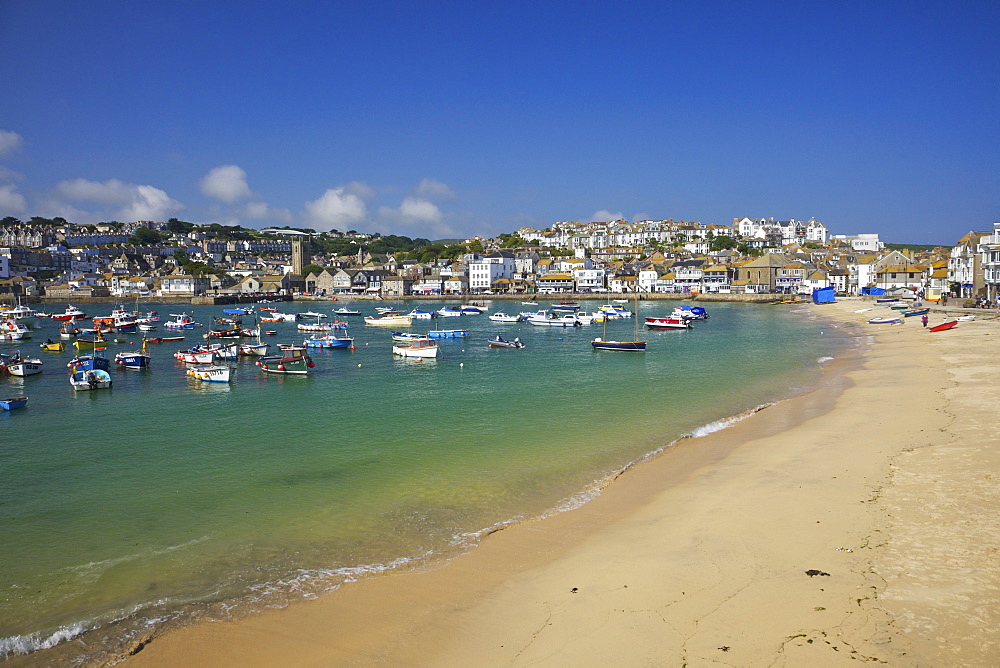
492 267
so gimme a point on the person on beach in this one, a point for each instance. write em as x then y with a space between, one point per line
923 319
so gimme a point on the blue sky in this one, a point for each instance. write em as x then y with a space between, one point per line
448 119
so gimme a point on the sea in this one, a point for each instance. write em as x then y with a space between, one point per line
166 500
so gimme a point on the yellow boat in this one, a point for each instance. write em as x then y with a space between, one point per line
56 347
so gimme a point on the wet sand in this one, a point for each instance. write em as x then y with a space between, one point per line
858 522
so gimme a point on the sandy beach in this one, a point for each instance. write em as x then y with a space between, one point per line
856 523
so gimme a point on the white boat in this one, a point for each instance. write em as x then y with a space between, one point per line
421 315
217 373
546 319
181 321
668 322
614 311
421 347
400 320
23 366
71 313
500 316
12 330
586 318
449 312
90 379
23 314
312 314
406 336
343 310
500 342
147 327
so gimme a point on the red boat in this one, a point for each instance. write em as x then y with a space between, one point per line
669 322
944 325
165 339
71 313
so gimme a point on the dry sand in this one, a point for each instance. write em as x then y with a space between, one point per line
856 523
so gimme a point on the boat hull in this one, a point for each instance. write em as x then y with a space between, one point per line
944 326
211 374
13 404
92 379
624 346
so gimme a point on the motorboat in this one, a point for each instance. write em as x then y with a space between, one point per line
669 322
419 347
500 316
71 313
214 373
500 342
90 379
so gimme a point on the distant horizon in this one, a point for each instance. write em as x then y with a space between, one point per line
423 121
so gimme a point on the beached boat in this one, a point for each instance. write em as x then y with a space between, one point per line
500 316
293 361
917 311
214 373
13 403
448 333
71 313
90 379
23 366
885 321
669 322
944 326
402 320
181 321
420 347
12 330
500 342
886 300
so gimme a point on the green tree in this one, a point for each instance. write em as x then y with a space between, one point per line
311 269
175 226
145 237
721 242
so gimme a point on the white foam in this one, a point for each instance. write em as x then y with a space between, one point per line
719 425
32 642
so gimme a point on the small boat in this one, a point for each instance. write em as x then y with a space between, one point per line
23 314
565 307
13 403
448 333
886 300
71 313
472 309
601 344
97 360
387 310
615 311
406 336
133 360
90 379
317 326
215 373
403 320
343 310
329 341
12 330
669 322
944 326
165 339
269 332
499 342
237 311
449 312
95 341
53 346
500 316
181 321
545 319
885 321
690 312
68 330
23 366
585 318
421 315
917 311
529 303
147 327
293 361
309 314
419 347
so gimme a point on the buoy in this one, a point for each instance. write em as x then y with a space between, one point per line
311 364
461 364
359 366
281 367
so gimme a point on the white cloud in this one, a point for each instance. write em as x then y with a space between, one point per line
134 202
434 189
417 218
12 203
227 183
605 216
361 189
9 142
420 210
261 211
336 209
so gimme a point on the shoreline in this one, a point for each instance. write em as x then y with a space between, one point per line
721 531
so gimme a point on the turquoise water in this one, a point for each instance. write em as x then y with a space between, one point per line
166 498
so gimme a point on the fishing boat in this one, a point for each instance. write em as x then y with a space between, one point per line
133 359
419 347
21 313
12 330
181 321
546 319
13 403
95 360
343 310
601 343
292 361
500 316
403 320
94 341
53 346
944 326
165 339
90 379
254 349
68 330
585 318
215 373
885 321
500 342
23 366
329 341
237 311
669 322
71 313
448 333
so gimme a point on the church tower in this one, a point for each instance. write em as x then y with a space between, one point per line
300 257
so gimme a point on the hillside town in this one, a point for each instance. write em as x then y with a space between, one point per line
55 260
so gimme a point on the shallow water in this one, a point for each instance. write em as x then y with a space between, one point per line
166 497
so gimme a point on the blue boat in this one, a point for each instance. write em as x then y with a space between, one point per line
919 311
237 311
329 341
133 359
90 362
11 404
601 344
448 333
